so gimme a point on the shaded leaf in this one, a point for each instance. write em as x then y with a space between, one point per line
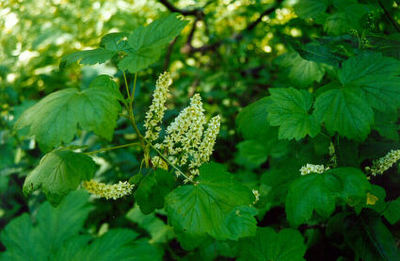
286 245
58 173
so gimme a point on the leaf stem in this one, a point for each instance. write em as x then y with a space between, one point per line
112 148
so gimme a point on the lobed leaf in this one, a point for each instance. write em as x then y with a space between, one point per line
58 173
146 44
286 245
214 206
54 120
289 110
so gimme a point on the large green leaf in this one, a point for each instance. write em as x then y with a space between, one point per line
251 153
152 190
320 192
158 230
24 241
58 173
314 192
213 205
311 8
55 236
55 119
392 212
346 111
88 57
302 72
377 76
286 245
252 121
354 185
289 110
146 44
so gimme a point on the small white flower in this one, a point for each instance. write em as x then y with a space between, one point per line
381 165
102 190
311 168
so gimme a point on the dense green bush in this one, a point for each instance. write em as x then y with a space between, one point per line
293 157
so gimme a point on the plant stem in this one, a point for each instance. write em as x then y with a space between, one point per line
134 89
112 148
126 86
170 163
131 116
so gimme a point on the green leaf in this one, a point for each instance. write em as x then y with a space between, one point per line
380 205
354 185
113 245
146 44
302 72
152 190
58 173
251 153
87 57
348 16
318 53
158 230
320 192
346 111
252 121
55 119
209 206
392 212
114 41
386 124
275 184
313 192
311 8
286 245
289 110
24 241
377 76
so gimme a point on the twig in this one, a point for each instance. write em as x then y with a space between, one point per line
236 36
195 12
394 23
168 54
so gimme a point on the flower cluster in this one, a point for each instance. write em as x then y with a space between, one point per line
311 168
186 144
185 132
256 194
381 165
157 108
108 191
158 162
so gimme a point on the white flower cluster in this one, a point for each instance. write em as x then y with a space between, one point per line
311 168
381 165
102 190
186 144
159 162
256 194
185 132
157 108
